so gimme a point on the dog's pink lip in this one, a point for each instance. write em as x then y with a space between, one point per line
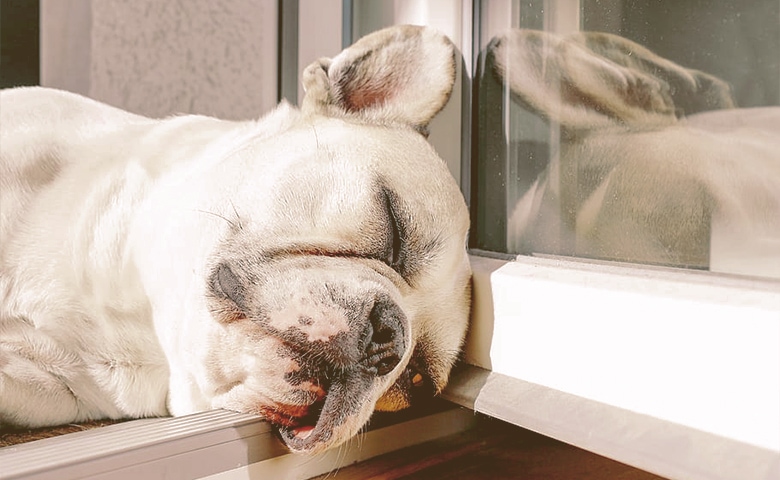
293 417
303 432
289 416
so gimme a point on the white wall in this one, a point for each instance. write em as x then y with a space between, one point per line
159 58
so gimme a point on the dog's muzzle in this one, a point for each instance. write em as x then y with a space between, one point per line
344 346
346 368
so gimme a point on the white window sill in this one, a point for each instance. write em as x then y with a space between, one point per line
674 372
217 445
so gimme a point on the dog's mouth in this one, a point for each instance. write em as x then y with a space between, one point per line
300 426
294 417
329 419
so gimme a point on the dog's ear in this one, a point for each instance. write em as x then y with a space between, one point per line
399 74
592 80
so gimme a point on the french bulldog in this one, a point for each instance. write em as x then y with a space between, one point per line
309 267
656 164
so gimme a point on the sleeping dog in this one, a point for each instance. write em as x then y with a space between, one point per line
309 267
655 163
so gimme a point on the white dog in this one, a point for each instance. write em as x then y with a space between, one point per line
655 163
307 267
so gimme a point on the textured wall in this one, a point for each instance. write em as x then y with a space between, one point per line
164 57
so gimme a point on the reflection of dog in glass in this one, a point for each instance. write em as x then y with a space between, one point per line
639 177
309 267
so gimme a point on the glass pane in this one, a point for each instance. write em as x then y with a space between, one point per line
630 130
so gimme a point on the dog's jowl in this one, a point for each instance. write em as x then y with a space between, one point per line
309 267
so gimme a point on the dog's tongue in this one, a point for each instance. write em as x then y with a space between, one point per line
345 398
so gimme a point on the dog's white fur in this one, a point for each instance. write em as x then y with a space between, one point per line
653 156
308 266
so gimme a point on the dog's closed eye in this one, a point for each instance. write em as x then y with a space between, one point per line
406 249
394 243
226 285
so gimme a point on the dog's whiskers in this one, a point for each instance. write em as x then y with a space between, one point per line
341 455
230 222
316 138
238 217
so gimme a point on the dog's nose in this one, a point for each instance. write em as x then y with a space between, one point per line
384 338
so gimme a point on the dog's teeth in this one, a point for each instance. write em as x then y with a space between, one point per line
303 432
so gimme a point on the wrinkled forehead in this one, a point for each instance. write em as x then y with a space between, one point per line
354 161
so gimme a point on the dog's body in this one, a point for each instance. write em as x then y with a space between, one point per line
655 163
305 267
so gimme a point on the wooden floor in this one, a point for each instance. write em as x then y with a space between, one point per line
494 450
